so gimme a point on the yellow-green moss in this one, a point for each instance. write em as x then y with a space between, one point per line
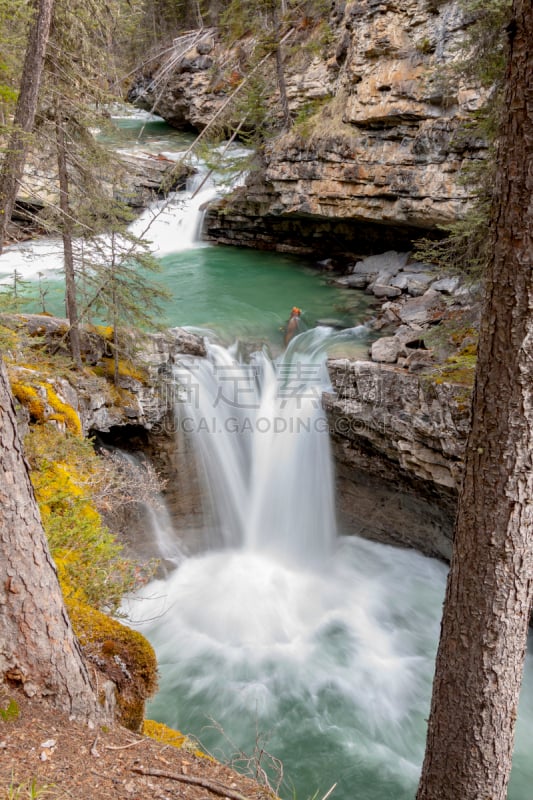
29 397
126 369
123 655
8 338
165 735
105 331
65 471
460 369
63 412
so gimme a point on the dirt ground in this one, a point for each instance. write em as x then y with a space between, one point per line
44 754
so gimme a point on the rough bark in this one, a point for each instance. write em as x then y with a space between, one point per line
483 638
280 72
32 71
66 234
38 649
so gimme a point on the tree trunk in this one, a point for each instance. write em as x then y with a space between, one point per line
484 629
38 649
13 165
66 233
280 73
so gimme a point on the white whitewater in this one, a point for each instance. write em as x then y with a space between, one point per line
317 642
175 224
168 226
264 447
321 645
315 646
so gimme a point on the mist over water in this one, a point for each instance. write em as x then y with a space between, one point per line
323 644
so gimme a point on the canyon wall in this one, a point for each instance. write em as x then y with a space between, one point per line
374 154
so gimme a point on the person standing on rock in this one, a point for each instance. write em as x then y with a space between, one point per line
293 325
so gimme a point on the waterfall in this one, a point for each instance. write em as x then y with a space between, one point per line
320 645
175 224
282 626
262 439
170 225
153 533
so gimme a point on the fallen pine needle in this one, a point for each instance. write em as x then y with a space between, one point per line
330 792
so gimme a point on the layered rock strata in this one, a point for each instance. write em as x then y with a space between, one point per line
376 148
398 440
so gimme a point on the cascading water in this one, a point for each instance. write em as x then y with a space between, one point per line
319 647
283 628
322 644
175 224
249 420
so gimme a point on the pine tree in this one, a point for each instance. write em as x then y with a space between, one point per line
490 589
14 160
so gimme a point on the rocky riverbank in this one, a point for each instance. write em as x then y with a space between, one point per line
399 421
376 146
139 398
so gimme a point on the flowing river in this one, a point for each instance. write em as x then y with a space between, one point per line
286 639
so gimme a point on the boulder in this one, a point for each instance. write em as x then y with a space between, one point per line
356 280
384 290
415 283
428 307
382 265
418 283
446 285
385 350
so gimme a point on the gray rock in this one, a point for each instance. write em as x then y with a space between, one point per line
385 350
389 263
400 281
418 283
418 360
203 48
421 310
446 285
399 438
419 266
384 290
356 280
342 281
391 313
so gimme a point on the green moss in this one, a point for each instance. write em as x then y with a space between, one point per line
11 712
425 46
123 655
460 369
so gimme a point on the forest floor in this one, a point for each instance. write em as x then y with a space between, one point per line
44 754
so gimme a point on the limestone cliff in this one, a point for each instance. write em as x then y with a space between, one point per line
373 156
398 440
87 400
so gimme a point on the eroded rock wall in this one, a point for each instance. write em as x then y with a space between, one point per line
382 156
375 151
398 440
